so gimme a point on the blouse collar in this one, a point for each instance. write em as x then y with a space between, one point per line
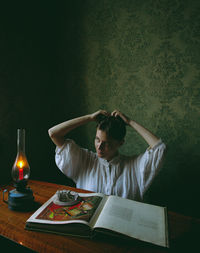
114 161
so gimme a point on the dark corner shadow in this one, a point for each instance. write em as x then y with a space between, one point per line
176 186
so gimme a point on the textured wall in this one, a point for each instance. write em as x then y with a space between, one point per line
142 57
66 59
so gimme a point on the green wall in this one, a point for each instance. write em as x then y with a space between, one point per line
68 58
142 57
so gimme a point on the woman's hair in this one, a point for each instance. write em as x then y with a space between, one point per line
114 127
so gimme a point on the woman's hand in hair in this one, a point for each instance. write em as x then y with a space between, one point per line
99 114
117 113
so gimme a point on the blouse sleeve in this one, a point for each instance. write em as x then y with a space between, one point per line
147 166
69 158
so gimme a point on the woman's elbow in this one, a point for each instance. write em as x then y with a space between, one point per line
51 133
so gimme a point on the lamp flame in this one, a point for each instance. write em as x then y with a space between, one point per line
20 164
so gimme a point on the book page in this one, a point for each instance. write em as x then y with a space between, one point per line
135 219
82 212
98 211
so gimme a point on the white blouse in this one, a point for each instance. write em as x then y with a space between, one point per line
124 176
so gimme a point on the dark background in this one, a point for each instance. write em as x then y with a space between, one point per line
63 59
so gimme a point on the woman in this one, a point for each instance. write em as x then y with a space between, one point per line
107 171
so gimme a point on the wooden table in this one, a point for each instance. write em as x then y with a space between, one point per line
184 231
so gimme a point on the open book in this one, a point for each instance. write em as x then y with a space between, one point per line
100 213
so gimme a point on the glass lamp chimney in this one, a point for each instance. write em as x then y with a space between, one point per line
20 198
21 168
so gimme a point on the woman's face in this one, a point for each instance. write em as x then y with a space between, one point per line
106 147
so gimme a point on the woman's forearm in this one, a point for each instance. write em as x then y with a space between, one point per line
58 132
149 137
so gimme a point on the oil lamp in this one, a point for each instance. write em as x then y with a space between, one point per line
21 198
